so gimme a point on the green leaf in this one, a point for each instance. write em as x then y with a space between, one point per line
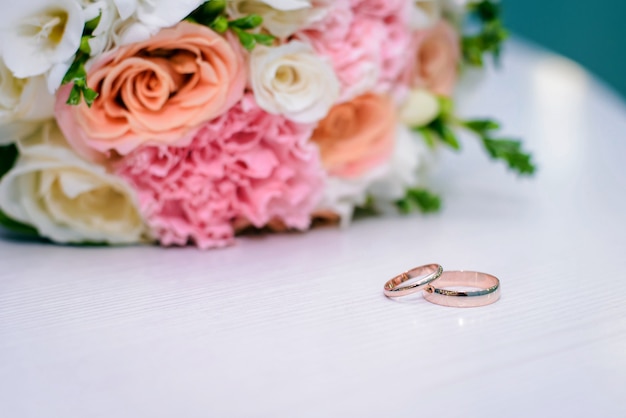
8 156
481 126
446 107
264 39
489 38
247 22
207 12
73 73
419 198
445 133
405 206
247 40
75 96
428 136
472 52
365 210
84 45
90 96
92 24
15 226
220 24
486 10
511 152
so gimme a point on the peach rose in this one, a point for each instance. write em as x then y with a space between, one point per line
155 92
437 56
357 136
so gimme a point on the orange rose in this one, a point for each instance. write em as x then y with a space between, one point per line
357 136
155 92
437 56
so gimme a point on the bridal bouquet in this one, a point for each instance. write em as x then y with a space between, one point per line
189 121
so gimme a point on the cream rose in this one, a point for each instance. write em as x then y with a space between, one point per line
39 36
293 81
67 199
24 103
420 108
282 18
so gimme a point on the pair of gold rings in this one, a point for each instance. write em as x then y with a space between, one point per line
460 289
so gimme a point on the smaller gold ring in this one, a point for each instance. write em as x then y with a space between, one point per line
444 291
430 273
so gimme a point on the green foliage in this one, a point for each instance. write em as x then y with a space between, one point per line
77 74
207 12
366 210
219 25
8 157
247 22
212 14
442 130
508 150
490 36
421 199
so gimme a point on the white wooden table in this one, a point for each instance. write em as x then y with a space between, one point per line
297 325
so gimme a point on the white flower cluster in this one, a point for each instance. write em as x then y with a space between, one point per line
41 37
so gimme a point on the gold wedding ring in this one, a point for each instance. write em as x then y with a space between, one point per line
452 289
423 276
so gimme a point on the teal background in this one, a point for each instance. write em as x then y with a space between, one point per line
590 32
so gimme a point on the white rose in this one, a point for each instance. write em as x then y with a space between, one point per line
38 35
385 184
282 18
419 109
67 199
293 81
425 13
24 103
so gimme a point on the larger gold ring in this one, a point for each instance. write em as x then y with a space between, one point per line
452 289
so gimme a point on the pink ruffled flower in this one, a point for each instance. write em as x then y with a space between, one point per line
382 8
336 23
394 57
246 165
366 41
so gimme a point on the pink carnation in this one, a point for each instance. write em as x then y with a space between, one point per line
335 25
366 40
394 57
382 8
245 165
